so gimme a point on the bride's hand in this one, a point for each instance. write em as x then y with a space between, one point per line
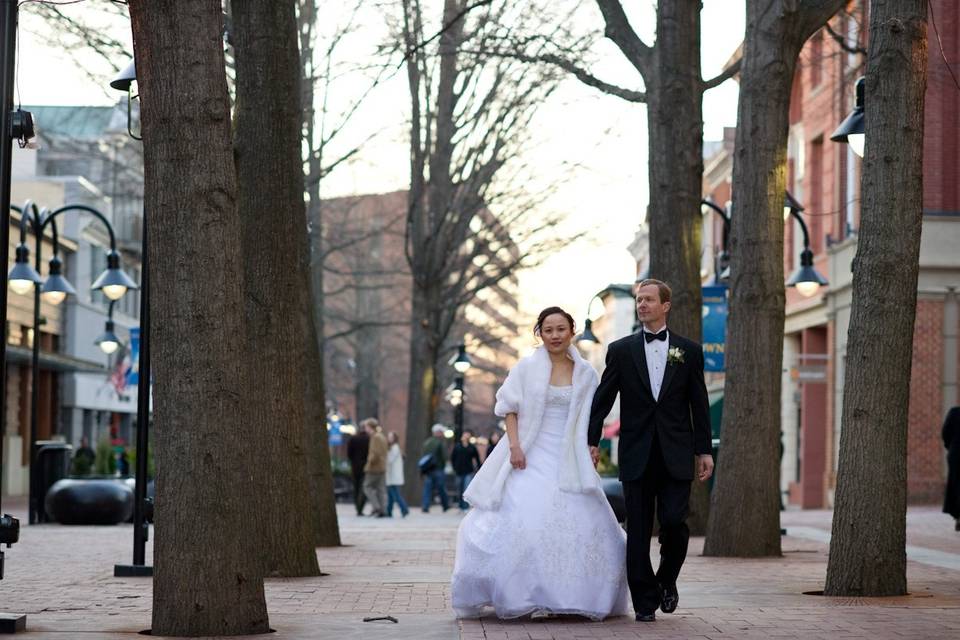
517 459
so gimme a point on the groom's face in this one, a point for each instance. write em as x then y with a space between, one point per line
650 310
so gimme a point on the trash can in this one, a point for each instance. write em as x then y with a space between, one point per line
53 463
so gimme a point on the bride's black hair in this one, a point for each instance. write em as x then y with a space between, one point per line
549 311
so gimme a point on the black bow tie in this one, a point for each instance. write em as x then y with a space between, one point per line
650 337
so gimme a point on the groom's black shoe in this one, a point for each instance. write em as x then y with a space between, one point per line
650 616
669 598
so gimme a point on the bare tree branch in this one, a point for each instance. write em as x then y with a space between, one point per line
622 34
723 76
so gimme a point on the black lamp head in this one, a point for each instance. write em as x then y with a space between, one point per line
588 335
853 128
805 278
123 80
113 281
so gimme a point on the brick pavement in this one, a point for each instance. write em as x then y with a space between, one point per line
62 578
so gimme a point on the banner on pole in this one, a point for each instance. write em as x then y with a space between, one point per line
714 326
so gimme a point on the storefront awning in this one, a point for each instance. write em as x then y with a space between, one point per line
53 361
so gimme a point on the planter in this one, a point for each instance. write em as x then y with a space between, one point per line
97 501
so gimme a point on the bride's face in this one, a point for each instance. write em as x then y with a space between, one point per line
556 333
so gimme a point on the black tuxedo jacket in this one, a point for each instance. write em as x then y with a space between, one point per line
681 416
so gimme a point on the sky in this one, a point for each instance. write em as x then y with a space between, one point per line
605 137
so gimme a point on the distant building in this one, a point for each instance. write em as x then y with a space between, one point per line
367 308
84 156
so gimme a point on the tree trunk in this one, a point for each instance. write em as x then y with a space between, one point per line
324 509
421 406
206 577
867 553
745 509
323 506
273 225
675 168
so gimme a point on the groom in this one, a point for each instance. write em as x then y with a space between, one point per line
664 427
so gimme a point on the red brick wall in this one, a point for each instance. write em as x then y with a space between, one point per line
941 157
924 448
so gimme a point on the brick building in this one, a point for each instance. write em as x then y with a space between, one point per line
367 287
825 177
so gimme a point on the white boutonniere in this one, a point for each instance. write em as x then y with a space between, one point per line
674 355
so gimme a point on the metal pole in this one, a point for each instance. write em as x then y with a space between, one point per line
458 413
8 50
140 526
34 509
143 412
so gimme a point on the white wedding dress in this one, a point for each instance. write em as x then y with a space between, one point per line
544 550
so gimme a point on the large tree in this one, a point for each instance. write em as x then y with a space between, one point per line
745 508
207 577
867 552
673 93
273 228
470 223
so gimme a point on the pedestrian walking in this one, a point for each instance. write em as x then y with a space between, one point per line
465 460
375 471
84 458
432 462
357 448
395 476
951 440
491 443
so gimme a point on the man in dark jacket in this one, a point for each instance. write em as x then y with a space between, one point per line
434 476
664 430
357 450
465 460
951 440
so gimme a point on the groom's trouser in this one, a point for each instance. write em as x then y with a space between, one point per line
672 500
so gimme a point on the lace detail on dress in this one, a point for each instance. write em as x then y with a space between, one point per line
559 396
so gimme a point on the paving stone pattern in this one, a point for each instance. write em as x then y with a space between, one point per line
62 578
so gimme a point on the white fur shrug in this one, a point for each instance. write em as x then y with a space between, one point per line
524 392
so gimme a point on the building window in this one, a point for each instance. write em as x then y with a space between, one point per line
851 202
816 59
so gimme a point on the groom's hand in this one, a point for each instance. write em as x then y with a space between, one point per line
704 467
595 456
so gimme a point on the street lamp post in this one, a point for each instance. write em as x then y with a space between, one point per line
113 282
124 82
460 364
805 278
722 260
852 129
587 335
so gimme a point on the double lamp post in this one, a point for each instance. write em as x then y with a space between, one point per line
113 282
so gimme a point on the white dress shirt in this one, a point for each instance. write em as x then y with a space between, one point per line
656 352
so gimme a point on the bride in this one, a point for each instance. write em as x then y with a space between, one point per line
541 538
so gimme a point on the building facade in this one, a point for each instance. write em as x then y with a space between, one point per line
825 178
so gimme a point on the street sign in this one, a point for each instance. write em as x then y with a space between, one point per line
714 326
